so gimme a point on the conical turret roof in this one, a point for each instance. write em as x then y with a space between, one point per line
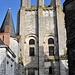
8 21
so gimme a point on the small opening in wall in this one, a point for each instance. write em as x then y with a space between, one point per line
32 51
7 62
11 65
50 70
3 38
31 72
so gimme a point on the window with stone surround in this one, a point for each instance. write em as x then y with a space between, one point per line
51 46
50 41
32 42
31 47
51 50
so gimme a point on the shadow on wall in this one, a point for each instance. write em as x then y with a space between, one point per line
49 66
7 66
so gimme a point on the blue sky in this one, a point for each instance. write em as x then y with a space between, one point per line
15 5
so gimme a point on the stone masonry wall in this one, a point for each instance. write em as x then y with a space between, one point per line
46 24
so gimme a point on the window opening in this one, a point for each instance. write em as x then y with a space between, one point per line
32 51
50 41
51 50
50 70
31 42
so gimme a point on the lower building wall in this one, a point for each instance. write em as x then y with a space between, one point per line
2 61
58 68
51 68
7 63
64 67
29 71
10 66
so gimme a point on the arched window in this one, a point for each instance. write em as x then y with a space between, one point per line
50 70
31 42
32 47
51 50
50 41
51 46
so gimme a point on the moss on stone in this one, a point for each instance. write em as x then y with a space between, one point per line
64 57
35 8
21 59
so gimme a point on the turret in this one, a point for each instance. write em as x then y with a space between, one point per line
22 3
55 2
40 3
26 3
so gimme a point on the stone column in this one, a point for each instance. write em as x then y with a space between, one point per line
22 3
40 36
26 3
22 31
40 3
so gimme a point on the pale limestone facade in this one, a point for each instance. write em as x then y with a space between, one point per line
7 61
41 23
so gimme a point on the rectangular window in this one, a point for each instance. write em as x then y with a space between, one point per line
51 50
3 38
31 72
32 51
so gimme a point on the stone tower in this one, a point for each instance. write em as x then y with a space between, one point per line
69 9
43 37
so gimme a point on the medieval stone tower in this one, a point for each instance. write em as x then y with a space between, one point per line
43 38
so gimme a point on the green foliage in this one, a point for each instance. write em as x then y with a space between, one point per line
64 57
20 59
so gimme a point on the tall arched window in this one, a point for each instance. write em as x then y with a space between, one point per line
32 47
51 46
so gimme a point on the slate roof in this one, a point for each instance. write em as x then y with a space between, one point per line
8 21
